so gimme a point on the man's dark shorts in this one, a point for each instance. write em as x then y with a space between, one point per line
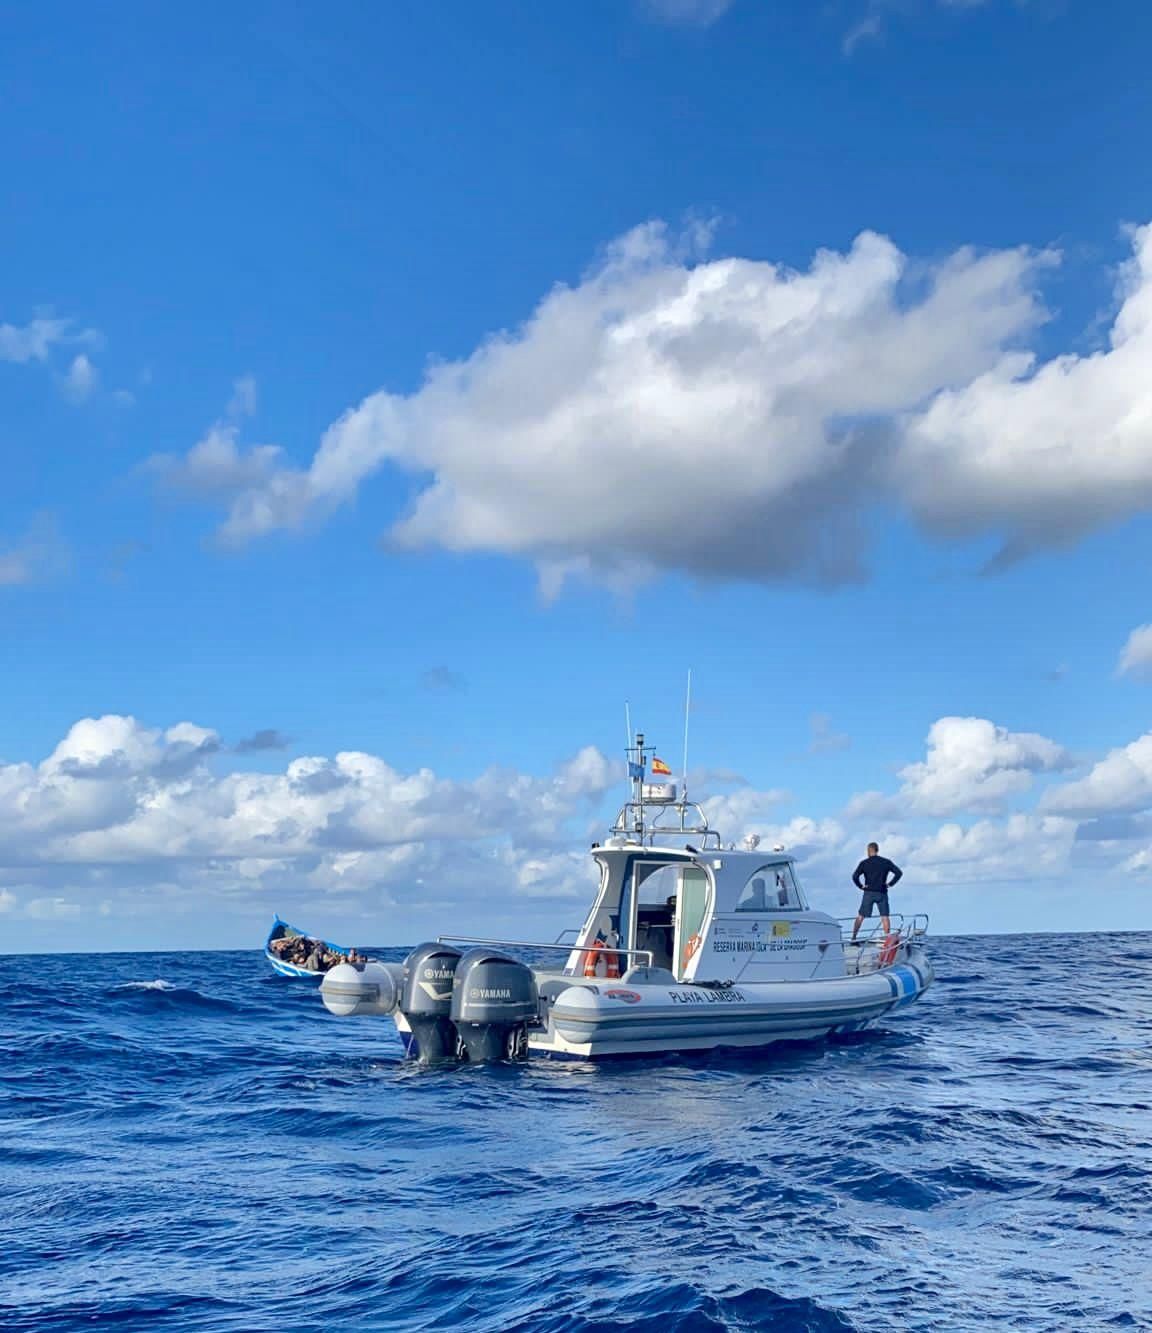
870 900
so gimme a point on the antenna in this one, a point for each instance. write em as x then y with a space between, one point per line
687 709
627 727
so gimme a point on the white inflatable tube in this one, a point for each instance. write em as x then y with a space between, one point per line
352 990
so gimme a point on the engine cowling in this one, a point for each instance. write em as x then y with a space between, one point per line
494 998
426 1000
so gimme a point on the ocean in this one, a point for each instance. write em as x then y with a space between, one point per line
191 1142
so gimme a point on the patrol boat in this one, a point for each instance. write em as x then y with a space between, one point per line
690 945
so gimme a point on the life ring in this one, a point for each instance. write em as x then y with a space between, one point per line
591 959
889 950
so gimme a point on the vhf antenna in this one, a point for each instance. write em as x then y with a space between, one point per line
687 709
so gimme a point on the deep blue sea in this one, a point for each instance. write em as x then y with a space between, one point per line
190 1142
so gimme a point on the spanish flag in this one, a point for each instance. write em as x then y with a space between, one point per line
659 766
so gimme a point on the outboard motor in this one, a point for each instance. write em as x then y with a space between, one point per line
494 999
353 989
426 1000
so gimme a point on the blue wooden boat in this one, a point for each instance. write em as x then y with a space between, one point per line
282 930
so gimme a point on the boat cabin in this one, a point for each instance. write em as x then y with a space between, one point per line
701 911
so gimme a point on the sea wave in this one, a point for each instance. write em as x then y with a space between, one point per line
190 1142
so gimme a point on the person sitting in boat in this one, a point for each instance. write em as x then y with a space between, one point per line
871 877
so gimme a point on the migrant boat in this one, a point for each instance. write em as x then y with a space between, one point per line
281 930
690 945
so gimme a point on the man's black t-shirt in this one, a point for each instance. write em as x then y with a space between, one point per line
874 870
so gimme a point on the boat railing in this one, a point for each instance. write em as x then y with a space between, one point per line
657 828
877 947
643 822
907 927
645 954
709 837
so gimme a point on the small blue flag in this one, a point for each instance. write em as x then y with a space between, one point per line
635 771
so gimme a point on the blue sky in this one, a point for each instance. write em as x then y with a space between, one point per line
421 382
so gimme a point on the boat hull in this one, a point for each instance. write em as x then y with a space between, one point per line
613 1019
280 928
289 969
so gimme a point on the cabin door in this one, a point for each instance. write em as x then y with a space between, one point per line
691 909
630 901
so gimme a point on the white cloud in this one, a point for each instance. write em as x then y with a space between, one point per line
1020 847
971 765
123 819
1120 783
868 28
33 341
217 467
39 554
1136 658
120 802
81 380
811 840
693 13
752 405
743 811
1038 456
119 747
757 410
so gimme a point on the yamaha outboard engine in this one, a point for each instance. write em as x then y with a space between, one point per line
493 1000
426 1000
350 989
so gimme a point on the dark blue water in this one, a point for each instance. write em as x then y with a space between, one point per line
190 1142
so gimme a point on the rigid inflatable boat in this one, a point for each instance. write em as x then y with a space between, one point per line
689 946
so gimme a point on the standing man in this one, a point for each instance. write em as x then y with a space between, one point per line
871 876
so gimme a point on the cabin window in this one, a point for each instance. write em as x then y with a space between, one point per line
658 883
771 889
